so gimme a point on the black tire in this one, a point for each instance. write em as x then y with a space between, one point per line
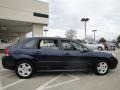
96 65
20 63
106 48
99 48
114 49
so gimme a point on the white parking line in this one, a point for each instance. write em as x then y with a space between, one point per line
62 83
74 76
44 85
59 84
13 83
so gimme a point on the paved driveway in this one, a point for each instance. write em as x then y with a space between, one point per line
61 81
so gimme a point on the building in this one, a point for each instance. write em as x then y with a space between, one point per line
18 17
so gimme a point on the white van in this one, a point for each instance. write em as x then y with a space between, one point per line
94 46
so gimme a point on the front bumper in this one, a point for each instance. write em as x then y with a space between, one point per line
113 63
8 62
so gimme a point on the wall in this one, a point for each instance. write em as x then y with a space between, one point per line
22 10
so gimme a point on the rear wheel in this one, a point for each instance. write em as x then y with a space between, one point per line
24 69
101 68
114 49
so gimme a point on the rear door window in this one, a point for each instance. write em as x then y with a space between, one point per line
3 41
48 44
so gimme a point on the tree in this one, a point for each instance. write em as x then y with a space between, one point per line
102 40
70 34
118 39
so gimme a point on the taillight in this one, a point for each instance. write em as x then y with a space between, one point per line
6 52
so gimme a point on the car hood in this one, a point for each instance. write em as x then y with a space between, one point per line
101 54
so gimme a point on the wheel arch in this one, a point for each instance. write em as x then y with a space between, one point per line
100 47
103 59
24 59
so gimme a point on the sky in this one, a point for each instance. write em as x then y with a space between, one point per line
104 16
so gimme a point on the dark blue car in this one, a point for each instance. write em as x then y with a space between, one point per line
55 54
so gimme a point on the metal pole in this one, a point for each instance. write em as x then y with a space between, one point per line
85 29
85 20
94 31
94 36
45 32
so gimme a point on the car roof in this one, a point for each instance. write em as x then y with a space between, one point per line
57 38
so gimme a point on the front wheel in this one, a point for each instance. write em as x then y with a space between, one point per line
101 68
24 69
99 48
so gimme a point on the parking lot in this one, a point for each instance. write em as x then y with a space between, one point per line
62 81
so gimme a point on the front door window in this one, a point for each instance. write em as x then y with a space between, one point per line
73 46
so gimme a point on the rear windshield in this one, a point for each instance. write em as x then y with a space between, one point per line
3 41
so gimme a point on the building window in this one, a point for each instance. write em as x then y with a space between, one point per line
40 15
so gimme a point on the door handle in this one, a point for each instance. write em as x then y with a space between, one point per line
66 54
17 51
37 52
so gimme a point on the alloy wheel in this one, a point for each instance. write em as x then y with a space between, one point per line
24 69
102 67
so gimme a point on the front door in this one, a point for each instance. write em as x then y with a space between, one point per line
75 57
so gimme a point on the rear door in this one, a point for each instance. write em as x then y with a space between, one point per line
24 49
47 54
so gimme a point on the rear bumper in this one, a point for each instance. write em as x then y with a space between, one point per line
113 63
8 62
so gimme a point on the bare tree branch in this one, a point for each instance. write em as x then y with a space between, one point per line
70 34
